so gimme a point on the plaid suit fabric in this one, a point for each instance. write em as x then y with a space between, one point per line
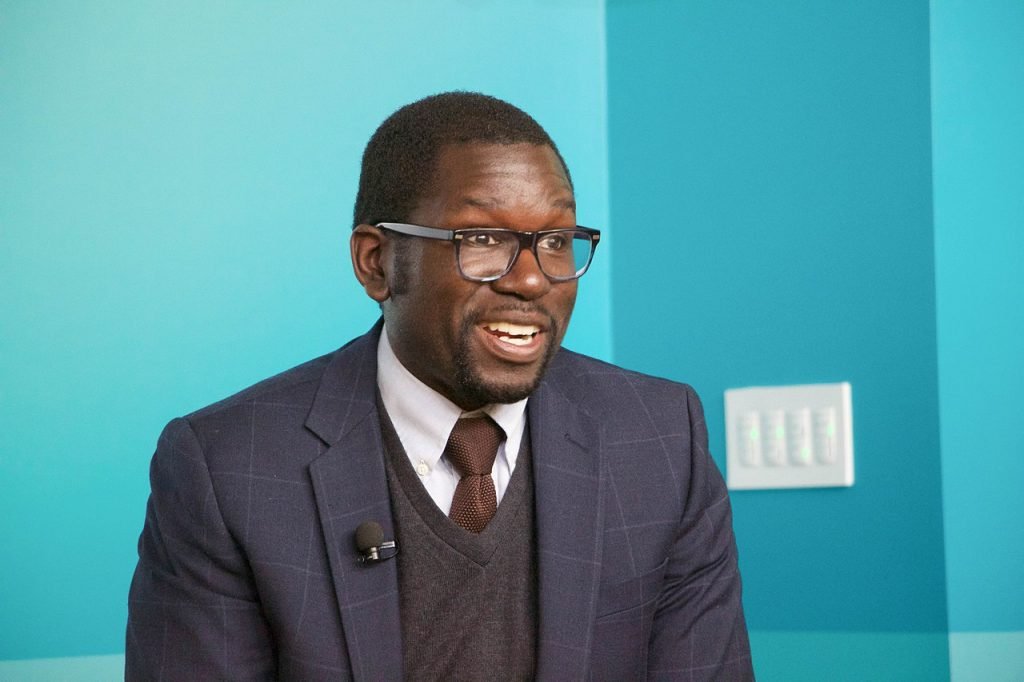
669 594
247 569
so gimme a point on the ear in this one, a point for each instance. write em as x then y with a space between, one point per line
367 245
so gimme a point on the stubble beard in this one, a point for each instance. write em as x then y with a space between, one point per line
476 390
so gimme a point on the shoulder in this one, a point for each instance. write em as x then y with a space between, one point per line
294 388
590 380
297 384
260 428
275 410
607 391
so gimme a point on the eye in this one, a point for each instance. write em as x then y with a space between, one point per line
554 242
484 239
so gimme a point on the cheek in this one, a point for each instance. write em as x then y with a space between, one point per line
567 300
447 306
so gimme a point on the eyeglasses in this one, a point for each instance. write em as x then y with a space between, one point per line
486 254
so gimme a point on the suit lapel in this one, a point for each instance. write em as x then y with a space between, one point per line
350 486
568 499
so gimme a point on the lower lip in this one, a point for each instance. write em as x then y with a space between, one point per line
509 352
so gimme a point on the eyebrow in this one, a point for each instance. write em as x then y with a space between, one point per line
569 204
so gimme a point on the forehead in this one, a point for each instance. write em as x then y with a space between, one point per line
479 175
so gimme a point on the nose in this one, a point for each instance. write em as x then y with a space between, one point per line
525 280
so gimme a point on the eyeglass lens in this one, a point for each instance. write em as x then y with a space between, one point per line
488 253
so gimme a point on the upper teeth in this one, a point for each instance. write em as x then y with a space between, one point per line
513 329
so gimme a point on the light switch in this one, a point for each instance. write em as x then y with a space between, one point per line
749 439
775 426
798 436
825 435
789 436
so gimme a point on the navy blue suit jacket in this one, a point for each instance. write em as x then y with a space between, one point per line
247 568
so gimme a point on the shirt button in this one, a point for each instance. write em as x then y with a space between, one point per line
422 468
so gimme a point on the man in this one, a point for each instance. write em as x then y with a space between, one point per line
556 517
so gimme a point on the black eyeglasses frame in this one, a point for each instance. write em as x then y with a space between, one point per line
525 239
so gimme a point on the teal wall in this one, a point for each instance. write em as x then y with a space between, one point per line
177 185
842 184
979 233
776 159
177 189
771 194
977 114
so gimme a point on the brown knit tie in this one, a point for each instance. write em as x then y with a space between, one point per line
471 449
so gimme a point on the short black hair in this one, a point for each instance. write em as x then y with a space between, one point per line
400 160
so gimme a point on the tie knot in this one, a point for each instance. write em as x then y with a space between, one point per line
473 444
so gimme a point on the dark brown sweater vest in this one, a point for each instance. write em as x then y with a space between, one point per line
468 602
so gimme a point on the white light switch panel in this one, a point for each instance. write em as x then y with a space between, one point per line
789 436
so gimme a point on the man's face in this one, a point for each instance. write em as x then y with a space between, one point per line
478 343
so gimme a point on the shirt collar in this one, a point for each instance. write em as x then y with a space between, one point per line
423 418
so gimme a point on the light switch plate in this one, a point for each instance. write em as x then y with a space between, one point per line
789 436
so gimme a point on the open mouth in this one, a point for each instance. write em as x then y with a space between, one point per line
514 334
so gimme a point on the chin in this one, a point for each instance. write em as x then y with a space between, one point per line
481 379
476 389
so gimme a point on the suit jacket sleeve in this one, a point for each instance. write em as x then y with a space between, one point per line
699 631
193 611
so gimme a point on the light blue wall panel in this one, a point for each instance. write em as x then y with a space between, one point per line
986 656
771 196
68 669
802 656
177 189
978 110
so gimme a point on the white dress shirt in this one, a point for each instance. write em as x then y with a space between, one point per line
423 419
